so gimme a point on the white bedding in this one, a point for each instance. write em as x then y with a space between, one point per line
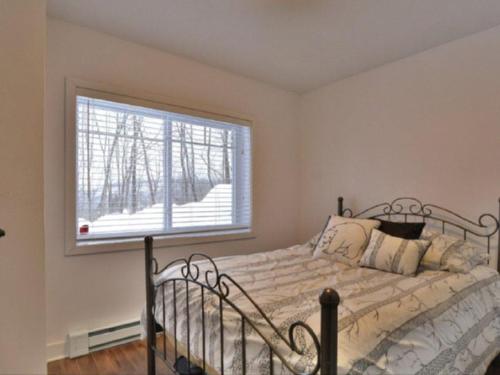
435 323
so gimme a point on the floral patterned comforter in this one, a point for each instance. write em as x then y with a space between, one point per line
435 323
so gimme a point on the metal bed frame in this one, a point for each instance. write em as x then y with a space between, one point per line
219 285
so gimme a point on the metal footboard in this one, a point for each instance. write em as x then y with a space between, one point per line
214 283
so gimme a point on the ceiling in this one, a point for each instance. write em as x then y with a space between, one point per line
298 45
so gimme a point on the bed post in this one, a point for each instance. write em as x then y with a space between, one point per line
340 206
329 301
150 326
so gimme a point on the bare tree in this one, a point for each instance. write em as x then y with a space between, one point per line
152 190
129 171
108 156
192 174
118 173
89 165
182 142
125 172
208 162
133 166
103 138
225 158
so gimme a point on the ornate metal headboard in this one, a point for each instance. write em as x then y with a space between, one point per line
405 208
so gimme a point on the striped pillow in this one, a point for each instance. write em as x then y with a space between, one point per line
448 253
393 254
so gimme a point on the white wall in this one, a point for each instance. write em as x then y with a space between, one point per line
22 291
90 291
426 126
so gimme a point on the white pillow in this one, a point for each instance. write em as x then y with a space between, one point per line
448 253
344 239
393 254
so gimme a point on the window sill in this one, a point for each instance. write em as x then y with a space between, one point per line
131 244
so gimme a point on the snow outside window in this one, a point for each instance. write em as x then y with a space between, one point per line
147 171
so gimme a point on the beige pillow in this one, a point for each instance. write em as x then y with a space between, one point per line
393 254
344 239
448 253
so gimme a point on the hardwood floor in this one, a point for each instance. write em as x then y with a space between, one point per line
130 359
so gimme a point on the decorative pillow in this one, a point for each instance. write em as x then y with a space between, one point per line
344 238
409 231
393 254
311 244
448 253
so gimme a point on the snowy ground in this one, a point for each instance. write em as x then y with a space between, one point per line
214 209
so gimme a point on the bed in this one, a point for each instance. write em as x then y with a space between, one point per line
260 313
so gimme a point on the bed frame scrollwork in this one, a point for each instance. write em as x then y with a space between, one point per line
408 208
220 286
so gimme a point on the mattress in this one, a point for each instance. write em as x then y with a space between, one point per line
434 323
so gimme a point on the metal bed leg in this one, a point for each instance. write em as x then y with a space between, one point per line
329 301
151 331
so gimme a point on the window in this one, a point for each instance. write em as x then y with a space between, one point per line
142 169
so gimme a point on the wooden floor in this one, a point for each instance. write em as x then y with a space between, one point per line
130 359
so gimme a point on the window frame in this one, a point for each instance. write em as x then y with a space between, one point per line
75 87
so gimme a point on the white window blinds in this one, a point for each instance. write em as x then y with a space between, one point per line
147 171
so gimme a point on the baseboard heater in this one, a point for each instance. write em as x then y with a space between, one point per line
85 342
